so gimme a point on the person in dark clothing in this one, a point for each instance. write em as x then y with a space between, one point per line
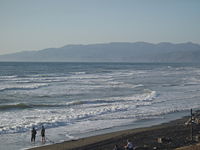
33 135
43 134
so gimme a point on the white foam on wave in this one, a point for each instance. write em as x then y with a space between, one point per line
60 84
52 117
144 98
15 86
103 112
118 109
7 77
79 73
75 87
147 95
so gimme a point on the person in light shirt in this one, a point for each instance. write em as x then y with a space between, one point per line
129 146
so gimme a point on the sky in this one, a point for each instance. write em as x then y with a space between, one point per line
39 24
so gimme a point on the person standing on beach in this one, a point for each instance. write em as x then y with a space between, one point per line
43 134
129 146
33 135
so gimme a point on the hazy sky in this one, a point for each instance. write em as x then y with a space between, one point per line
39 24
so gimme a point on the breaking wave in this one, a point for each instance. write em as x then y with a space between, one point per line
23 86
25 106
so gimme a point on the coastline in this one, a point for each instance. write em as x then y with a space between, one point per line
143 138
75 101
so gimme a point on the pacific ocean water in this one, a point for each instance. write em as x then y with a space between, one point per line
73 100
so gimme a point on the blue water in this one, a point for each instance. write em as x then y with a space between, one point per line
80 98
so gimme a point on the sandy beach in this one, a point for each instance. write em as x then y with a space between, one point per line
174 134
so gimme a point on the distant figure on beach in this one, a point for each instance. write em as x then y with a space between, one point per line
33 135
116 147
129 146
43 134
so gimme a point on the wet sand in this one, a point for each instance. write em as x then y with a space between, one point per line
174 134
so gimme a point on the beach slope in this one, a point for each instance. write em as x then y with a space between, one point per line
165 136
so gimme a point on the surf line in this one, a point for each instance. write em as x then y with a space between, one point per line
50 140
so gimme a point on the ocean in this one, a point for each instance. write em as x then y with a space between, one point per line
74 100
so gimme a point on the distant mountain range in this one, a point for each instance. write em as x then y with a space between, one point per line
112 52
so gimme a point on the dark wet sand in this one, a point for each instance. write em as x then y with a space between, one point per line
176 133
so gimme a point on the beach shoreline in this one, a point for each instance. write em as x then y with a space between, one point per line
77 100
143 138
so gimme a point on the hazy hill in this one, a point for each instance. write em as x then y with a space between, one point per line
113 52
